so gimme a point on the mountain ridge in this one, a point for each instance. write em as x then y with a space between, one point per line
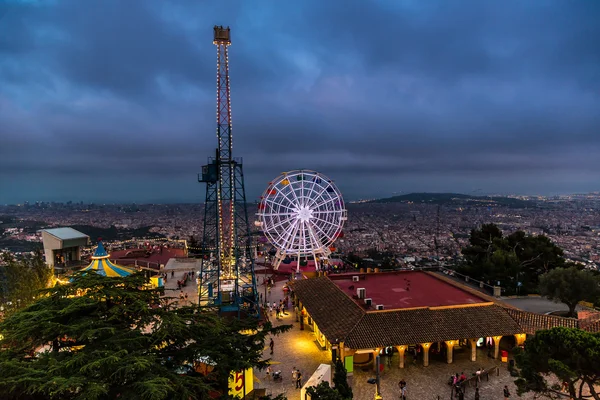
456 199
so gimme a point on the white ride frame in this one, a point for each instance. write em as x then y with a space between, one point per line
301 213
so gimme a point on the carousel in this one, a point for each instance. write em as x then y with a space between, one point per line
103 266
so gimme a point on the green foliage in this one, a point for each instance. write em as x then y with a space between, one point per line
493 257
107 338
324 392
569 286
22 279
340 380
572 355
340 391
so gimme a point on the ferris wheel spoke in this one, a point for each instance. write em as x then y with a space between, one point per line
324 239
316 242
319 229
279 205
312 193
324 220
277 214
302 239
318 193
292 201
281 223
289 238
293 190
309 191
327 201
327 212
273 202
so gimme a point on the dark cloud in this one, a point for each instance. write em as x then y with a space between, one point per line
383 96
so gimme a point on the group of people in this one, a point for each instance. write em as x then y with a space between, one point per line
458 381
279 308
186 276
296 375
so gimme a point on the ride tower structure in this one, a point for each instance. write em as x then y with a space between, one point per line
227 281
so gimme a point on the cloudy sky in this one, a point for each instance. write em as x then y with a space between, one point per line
113 100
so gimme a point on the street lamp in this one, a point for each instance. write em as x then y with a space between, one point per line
376 381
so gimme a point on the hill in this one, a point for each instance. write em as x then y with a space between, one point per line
457 199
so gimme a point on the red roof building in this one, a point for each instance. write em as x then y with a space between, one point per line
361 314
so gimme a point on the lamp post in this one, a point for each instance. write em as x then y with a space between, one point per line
377 380
265 280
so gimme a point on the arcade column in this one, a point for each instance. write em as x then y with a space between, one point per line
520 339
426 347
450 350
401 350
473 343
496 345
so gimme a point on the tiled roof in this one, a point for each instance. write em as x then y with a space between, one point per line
339 317
387 328
532 322
334 313
590 324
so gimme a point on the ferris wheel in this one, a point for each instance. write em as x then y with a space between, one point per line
301 213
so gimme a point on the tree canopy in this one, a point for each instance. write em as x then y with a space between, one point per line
21 279
569 286
572 355
107 338
516 260
324 392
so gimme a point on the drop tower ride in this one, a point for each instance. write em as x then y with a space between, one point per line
227 281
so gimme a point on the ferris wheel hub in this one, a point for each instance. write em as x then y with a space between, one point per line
303 213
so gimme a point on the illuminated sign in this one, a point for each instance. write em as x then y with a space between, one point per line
241 383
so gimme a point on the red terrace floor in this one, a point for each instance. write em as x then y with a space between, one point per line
405 290
156 256
309 267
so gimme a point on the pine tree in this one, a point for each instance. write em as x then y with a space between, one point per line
324 392
340 380
107 338
571 355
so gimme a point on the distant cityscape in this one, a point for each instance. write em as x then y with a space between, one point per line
407 228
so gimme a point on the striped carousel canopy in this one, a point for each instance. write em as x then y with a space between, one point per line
103 266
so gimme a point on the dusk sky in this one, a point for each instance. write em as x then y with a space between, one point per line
114 100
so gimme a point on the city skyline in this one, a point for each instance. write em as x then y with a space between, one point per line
115 102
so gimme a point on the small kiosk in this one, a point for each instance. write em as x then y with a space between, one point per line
62 247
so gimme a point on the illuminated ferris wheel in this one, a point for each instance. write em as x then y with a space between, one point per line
301 214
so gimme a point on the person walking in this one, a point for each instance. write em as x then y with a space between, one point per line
476 394
294 375
272 345
299 380
268 373
506 393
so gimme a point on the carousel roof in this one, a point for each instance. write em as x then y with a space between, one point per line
103 266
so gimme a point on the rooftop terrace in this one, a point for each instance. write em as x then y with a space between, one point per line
404 289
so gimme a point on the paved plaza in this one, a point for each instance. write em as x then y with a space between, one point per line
299 349
191 288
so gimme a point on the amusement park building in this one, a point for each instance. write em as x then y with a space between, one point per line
361 314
